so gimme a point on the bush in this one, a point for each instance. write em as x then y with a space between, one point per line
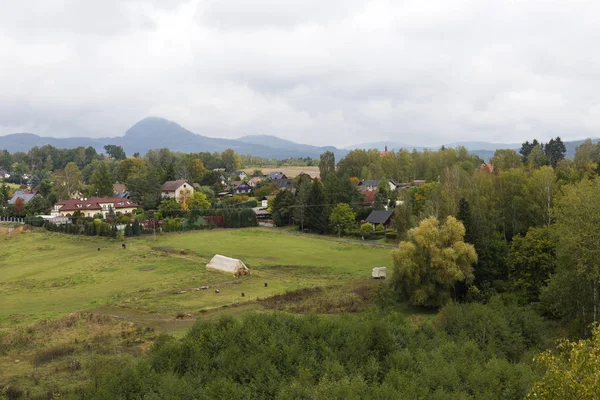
391 235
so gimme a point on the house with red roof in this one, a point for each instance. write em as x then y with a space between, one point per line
92 206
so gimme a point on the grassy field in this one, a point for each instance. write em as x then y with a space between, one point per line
63 299
46 275
290 172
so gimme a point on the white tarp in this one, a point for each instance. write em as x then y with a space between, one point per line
226 264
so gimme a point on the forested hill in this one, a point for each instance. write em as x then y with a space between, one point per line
157 133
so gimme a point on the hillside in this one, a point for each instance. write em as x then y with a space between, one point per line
156 133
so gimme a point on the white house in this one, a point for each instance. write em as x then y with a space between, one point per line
177 190
92 206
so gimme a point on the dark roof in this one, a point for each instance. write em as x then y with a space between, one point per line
371 182
379 217
276 176
282 183
21 195
172 185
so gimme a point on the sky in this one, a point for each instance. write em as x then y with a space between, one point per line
333 72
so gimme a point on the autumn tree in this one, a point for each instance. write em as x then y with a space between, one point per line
432 261
67 181
572 370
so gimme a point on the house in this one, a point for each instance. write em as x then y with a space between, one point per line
418 182
4 173
177 190
26 196
380 217
275 176
283 184
255 181
120 191
242 188
371 185
241 174
92 206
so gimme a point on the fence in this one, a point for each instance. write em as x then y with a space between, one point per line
13 220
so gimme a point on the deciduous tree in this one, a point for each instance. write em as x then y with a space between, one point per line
429 264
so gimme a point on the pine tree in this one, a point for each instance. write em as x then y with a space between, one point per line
315 211
102 181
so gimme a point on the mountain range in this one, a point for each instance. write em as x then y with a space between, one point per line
155 133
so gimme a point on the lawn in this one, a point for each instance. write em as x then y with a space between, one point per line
46 275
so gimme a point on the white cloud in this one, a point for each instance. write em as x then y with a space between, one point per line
334 72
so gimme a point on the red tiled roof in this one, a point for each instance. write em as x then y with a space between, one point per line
93 203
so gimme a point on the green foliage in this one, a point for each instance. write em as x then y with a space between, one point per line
115 151
326 164
170 208
532 261
573 291
315 209
435 258
102 182
366 228
371 357
342 218
281 207
572 370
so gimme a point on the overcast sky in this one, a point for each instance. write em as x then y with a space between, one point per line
334 72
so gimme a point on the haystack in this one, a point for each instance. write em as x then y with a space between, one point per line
226 264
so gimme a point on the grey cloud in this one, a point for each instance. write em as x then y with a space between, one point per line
335 72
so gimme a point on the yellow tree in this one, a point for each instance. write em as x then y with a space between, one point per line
429 264
572 371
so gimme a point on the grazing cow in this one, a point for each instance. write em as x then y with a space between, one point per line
217 291
98 248
242 294
123 246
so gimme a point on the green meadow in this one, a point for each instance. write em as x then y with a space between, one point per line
46 275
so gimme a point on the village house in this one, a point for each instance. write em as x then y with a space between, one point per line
241 174
275 176
371 185
92 206
255 181
4 173
26 196
382 217
242 188
177 190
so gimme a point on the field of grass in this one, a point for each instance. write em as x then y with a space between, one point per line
46 275
290 172
117 298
